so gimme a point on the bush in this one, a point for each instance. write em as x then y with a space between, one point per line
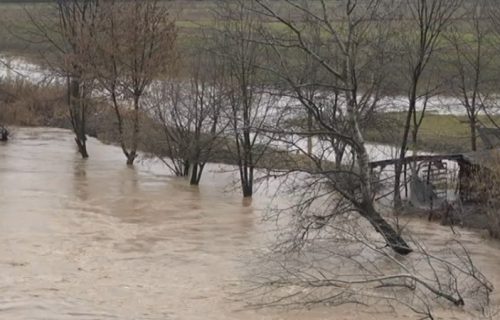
26 104
486 183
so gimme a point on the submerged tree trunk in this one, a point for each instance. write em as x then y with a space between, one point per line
132 154
187 165
82 147
77 110
131 158
246 177
247 190
196 173
4 134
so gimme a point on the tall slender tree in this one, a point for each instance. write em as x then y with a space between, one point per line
248 109
355 44
422 26
68 29
134 42
471 80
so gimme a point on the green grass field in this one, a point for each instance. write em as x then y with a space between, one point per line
438 133
17 30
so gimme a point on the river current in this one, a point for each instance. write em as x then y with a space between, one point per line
95 239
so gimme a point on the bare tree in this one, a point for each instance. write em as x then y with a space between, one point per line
356 270
423 23
4 132
207 100
69 33
133 44
473 58
189 112
355 45
249 103
491 106
166 105
335 214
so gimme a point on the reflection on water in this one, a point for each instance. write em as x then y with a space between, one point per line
95 239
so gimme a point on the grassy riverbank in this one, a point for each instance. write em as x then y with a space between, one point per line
438 133
26 104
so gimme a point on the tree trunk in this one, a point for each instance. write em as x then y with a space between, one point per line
131 158
82 147
135 132
194 175
309 136
77 114
473 134
398 166
392 238
367 209
186 168
4 134
246 176
247 190
398 169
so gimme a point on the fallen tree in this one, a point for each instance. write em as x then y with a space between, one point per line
346 263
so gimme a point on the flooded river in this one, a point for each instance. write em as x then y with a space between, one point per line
98 240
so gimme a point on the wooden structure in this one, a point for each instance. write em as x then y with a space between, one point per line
474 173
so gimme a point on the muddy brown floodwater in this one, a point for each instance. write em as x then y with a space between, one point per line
97 240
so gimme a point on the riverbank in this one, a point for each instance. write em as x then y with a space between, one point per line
25 104
29 104
439 133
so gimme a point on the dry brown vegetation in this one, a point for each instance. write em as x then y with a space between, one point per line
26 104
486 183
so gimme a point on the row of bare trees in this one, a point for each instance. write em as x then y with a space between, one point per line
109 50
124 55
261 66
116 51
